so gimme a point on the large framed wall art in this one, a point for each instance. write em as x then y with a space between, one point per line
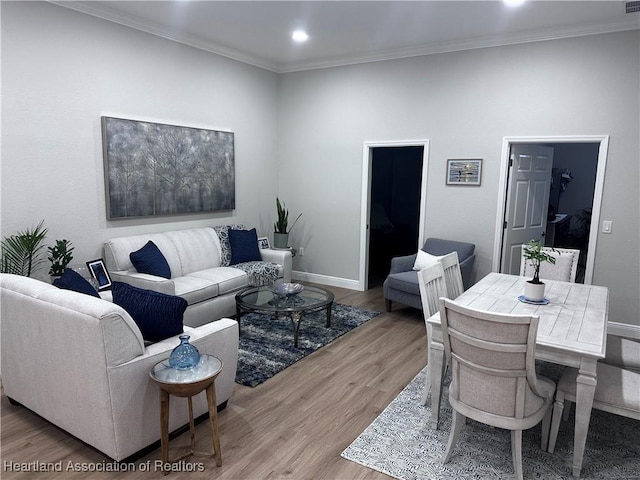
156 169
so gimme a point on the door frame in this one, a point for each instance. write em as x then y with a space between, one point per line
603 149
365 203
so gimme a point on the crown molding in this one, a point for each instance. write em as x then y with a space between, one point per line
632 22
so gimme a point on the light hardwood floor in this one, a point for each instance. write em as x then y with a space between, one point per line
295 425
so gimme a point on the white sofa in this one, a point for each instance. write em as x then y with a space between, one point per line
81 363
198 274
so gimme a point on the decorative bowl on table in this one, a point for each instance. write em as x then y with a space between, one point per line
287 289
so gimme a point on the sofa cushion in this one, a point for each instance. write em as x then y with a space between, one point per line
197 249
149 259
244 246
228 279
225 247
194 289
72 280
157 315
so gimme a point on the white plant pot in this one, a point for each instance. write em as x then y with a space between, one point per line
534 291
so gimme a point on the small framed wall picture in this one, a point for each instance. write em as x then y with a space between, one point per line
462 171
99 273
263 242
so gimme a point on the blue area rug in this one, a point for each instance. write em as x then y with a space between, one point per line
266 342
402 444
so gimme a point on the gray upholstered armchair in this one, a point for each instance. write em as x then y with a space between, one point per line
402 283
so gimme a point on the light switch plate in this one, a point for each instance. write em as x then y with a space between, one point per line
606 226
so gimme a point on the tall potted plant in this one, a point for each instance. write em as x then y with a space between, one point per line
281 228
21 254
534 253
60 255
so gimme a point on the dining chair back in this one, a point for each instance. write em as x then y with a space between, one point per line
452 275
492 359
432 285
565 268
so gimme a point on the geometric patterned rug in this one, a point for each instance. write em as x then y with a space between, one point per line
401 444
266 342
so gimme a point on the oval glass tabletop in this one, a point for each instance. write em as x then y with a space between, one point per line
264 299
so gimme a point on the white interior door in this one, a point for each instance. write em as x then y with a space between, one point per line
527 201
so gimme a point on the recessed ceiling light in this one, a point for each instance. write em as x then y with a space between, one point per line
300 36
514 3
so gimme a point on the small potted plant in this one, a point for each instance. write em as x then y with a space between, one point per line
281 228
60 255
534 253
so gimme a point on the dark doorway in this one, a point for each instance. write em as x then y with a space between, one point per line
573 181
396 178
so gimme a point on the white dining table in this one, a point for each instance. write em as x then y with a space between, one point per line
572 331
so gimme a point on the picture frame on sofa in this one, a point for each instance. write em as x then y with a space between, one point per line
263 242
99 273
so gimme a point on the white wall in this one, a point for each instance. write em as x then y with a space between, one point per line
62 70
300 135
464 103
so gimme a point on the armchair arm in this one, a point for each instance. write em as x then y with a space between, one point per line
145 281
403 264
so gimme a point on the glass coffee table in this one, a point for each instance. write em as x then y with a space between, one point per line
264 300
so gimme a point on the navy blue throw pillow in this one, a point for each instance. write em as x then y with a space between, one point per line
157 315
244 246
149 259
72 280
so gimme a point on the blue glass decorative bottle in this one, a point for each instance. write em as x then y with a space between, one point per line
185 355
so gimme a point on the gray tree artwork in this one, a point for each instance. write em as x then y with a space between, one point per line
156 169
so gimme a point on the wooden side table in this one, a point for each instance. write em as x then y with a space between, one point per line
187 383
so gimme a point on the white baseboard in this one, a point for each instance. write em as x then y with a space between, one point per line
623 330
325 280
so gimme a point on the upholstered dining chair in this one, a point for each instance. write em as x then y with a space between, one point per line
564 269
492 359
623 352
452 275
431 281
617 392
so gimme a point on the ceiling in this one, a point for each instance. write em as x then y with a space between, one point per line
348 32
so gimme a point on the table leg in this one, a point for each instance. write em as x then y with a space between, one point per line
329 314
436 369
192 427
213 418
585 389
296 318
164 425
238 315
